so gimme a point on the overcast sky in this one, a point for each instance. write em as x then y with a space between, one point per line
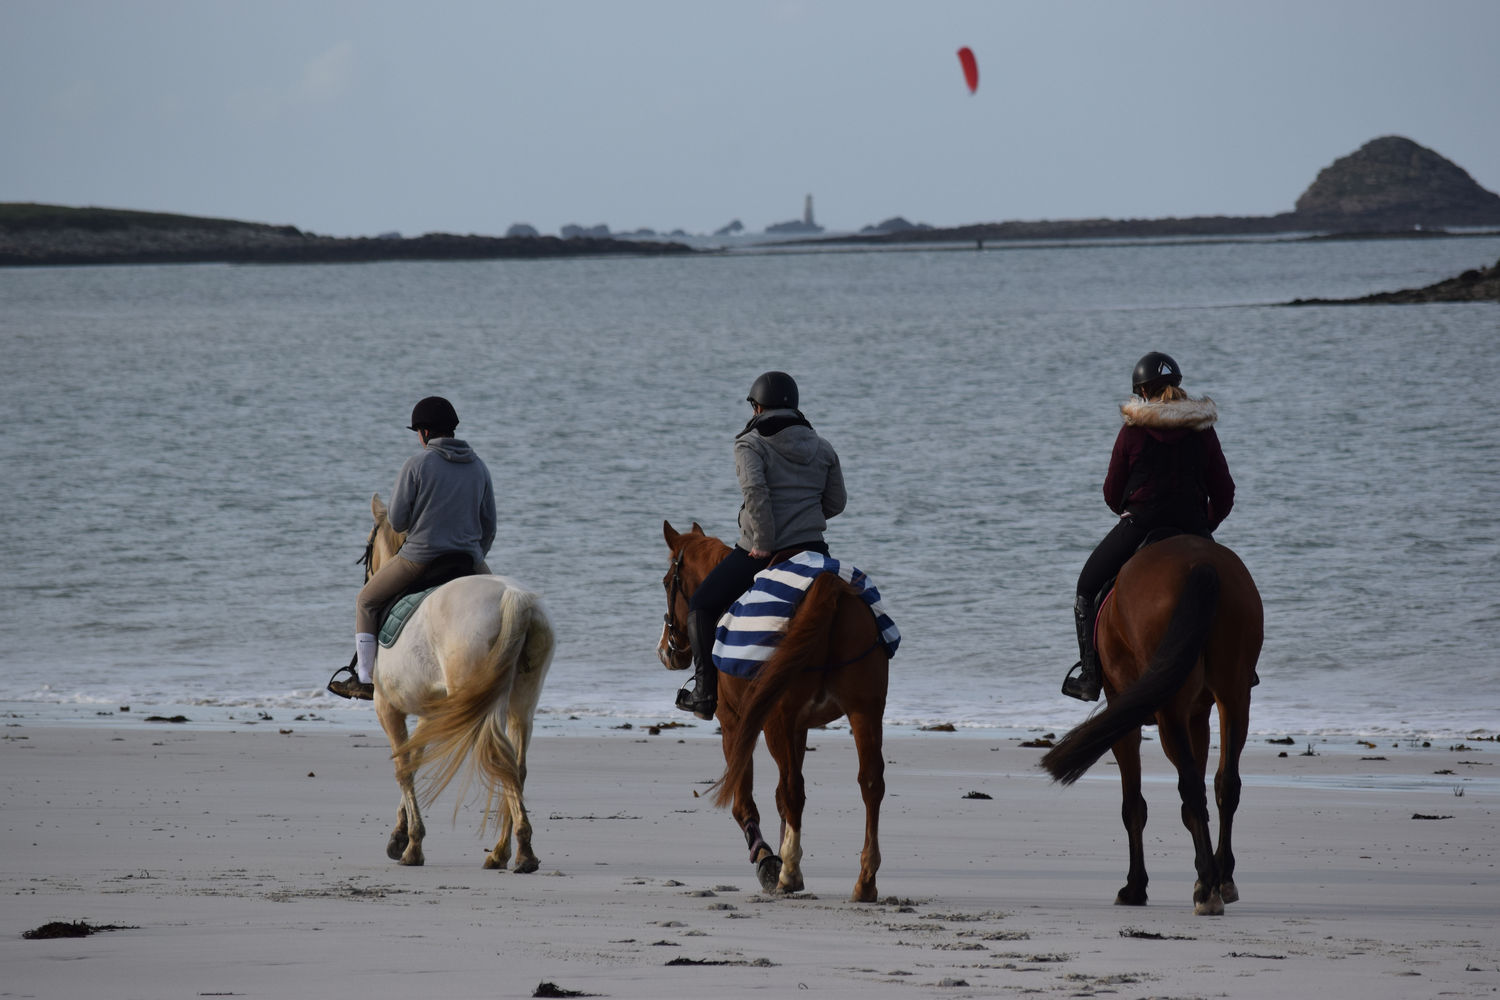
352 117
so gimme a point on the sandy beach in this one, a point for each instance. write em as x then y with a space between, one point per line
250 862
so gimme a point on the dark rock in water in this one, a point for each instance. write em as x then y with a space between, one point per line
895 224
521 229
734 227
1394 183
1477 285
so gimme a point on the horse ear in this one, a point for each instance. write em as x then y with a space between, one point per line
669 533
377 508
697 528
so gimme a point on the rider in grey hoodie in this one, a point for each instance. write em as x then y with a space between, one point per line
445 503
792 484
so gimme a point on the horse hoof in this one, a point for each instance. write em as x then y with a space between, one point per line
1130 897
1229 892
415 861
788 886
527 867
492 863
768 871
865 894
396 846
1213 906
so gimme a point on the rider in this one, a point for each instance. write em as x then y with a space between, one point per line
1167 470
791 483
445 503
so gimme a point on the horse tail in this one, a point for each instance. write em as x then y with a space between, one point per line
468 725
1170 664
804 646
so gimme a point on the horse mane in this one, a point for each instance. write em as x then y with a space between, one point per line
1173 658
804 646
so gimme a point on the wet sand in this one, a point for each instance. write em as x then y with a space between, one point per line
252 863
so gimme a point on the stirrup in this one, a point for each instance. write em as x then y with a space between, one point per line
1083 687
353 687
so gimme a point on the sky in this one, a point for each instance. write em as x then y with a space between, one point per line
358 117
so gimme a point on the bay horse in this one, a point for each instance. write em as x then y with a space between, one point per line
1180 635
469 663
830 662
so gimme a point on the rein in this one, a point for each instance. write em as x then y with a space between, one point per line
676 640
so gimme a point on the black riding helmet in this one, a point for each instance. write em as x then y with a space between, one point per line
434 413
1153 371
774 391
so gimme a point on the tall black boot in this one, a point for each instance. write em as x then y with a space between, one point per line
703 700
1086 685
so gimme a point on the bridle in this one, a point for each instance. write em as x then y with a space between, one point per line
677 640
369 556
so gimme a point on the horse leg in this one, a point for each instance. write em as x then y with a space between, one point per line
866 727
519 729
1234 725
744 810
1177 742
1133 813
788 745
405 844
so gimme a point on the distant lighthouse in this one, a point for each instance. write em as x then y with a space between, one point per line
807 216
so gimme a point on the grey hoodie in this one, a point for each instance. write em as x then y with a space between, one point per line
444 501
790 479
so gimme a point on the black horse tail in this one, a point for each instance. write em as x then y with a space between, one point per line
1188 630
805 646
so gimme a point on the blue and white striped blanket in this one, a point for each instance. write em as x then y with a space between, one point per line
749 631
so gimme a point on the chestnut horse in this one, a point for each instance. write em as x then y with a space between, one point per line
830 662
1180 635
469 664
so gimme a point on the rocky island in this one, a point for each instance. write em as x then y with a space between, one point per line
1389 186
33 234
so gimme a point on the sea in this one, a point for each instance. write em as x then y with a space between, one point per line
190 451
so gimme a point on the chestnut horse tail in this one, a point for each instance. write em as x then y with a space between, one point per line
804 647
1170 665
469 724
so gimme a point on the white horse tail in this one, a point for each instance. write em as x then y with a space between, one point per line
468 724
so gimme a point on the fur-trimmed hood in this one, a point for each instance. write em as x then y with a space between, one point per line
1178 415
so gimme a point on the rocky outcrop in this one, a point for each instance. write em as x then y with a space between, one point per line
1388 186
522 229
51 234
1478 285
895 224
1393 183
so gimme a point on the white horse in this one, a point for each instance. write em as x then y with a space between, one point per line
470 665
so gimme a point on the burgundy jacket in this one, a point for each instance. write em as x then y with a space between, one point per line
1129 487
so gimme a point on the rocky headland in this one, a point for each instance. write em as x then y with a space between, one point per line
1389 186
33 234
1477 285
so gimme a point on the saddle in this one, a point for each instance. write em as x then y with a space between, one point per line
446 567
1158 534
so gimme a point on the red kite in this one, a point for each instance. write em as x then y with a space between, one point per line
971 68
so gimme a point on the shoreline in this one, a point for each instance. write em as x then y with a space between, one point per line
251 863
337 715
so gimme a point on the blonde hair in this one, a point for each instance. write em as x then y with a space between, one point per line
1169 394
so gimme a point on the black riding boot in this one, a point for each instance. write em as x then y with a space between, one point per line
703 700
1086 685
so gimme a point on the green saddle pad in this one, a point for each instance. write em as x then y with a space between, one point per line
401 612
